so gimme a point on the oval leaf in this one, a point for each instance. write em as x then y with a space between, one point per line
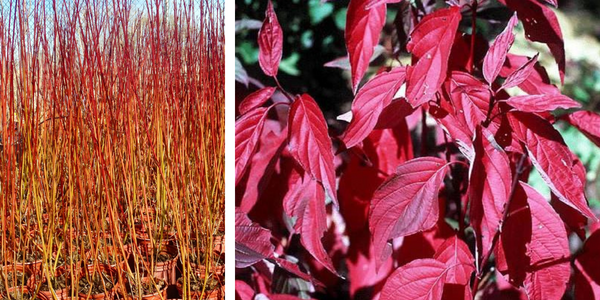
496 55
541 103
407 202
430 44
256 99
243 291
270 42
363 27
458 259
534 246
247 133
306 202
310 144
489 186
552 159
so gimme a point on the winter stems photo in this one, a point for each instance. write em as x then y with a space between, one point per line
390 149
112 122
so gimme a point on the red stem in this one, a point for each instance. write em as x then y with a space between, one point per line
287 95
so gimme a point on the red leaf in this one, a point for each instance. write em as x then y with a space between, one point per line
541 25
587 269
496 55
421 279
588 123
423 244
538 82
575 221
373 3
535 245
394 114
461 52
385 150
430 44
489 187
306 202
406 203
261 167
270 42
458 259
520 75
470 100
243 291
365 280
541 103
552 158
256 99
252 242
310 144
268 209
391 147
248 129
460 134
370 101
585 286
363 27
502 289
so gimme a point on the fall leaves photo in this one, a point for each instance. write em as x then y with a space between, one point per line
393 149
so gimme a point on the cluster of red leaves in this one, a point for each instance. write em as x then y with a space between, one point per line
367 218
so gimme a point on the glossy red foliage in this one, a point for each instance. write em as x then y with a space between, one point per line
420 191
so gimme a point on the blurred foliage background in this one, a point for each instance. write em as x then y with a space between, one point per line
314 35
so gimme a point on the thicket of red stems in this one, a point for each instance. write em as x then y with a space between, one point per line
112 138
425 194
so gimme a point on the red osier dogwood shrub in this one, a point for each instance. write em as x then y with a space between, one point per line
366 217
